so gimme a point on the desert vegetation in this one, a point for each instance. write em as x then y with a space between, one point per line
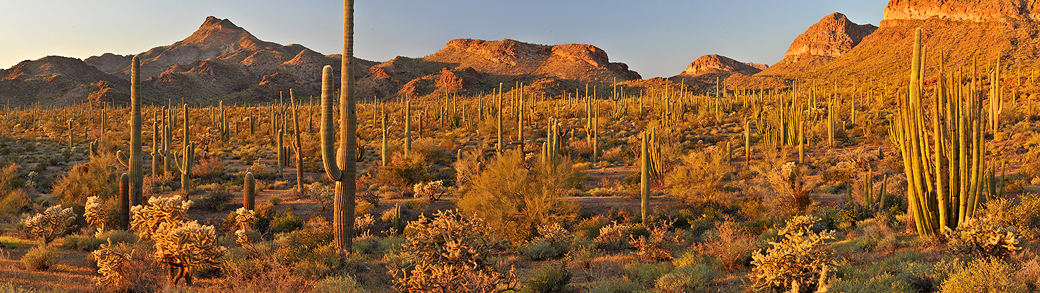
925 186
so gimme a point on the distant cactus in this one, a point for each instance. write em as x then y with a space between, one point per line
185 160
249 192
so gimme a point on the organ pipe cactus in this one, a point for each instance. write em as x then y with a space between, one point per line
944 167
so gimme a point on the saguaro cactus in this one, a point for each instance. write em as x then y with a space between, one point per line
187 157
407 128
342 170
124 201
249 192
135 162
644 179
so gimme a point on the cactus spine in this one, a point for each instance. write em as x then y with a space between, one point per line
249 192
342 170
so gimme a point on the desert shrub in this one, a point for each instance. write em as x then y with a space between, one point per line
982 237
549 278
589 228
403 171
94 178
614 236
686 280
338 284
878 236
790 191
983 275
615 285
552 241
274 200
449 253
209 167
882 282
700 177
841 173
285 221
321 193
217 200
516 200
653 246
13 199
646 273
39 258
53 222
1024 216
81 243
800 259
730 243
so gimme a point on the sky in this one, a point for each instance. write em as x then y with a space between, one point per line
655 38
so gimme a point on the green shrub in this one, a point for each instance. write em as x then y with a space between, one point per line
286 221
94 178
552 241
686 279
403 171
39 258
81 243
589 228
549 278
274 200
516 200
646 273
883 282
217 200
983 275
700 177
338 284
615 285
541 251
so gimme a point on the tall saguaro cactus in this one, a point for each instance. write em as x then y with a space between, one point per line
342 170
135 166
187 157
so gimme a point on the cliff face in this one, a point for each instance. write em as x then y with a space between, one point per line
715 63
829 38
962 10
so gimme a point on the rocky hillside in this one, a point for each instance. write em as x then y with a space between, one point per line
222 61
959 31
704 72
828 39
467 65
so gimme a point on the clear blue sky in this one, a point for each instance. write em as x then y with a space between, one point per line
655 38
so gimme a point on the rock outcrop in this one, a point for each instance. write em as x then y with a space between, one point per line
824 41
962 10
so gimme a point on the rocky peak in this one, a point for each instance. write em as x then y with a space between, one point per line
831 36
962 10
715 63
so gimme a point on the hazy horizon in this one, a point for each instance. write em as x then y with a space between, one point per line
657 38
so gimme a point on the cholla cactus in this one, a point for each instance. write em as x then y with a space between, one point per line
147 219
800 260
179 244
111 265
49 224
432 190
94 215
183 246
982 237
613 236
362 225
449 253
244 218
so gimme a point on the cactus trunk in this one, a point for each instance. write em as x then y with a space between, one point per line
342 170
249 192
135 166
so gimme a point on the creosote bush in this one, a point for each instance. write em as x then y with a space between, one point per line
39 258
448 253
983 275
700 177
549 278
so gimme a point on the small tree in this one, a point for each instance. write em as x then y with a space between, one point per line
52 223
